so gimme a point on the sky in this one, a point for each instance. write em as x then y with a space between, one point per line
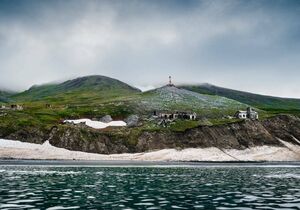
251 45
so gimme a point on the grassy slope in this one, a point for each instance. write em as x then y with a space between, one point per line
92 96
268 103
172 98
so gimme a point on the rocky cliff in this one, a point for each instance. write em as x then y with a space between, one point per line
240 135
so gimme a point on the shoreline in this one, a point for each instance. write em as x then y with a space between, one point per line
16 150
135 163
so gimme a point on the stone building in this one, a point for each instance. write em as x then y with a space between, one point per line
248 114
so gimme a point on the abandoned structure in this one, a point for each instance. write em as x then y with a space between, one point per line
16 107
11 107
249 114
175 115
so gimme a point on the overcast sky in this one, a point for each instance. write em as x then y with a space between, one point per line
246 45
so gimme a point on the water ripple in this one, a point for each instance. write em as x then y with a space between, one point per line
33 187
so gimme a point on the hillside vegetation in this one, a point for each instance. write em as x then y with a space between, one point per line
93 96
268 103
96 96
83 90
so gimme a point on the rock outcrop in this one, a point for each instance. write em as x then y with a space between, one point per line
132 121
106 119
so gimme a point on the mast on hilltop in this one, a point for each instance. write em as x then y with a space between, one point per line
170 81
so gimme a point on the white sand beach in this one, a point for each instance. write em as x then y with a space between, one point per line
21 150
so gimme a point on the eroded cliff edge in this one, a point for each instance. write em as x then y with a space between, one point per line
239 135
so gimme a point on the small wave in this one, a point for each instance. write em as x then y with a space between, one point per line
24 201
283 176
45 172
14 206
144 204
62 207
99 173
177 207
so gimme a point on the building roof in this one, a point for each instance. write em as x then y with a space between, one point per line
241 111
174 112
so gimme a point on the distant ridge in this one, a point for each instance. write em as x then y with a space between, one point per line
88 85
5 96
96 89
257 100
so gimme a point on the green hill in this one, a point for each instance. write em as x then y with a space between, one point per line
5 96
260 101
97 96
83 90
173 98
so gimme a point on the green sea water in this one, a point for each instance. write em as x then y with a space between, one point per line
149 187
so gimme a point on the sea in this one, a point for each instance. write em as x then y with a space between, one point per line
56 185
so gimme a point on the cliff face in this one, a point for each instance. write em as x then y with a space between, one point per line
239 135
86 140
231 136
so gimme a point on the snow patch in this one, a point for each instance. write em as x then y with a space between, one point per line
97 124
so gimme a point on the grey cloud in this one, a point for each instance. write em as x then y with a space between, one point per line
142 42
